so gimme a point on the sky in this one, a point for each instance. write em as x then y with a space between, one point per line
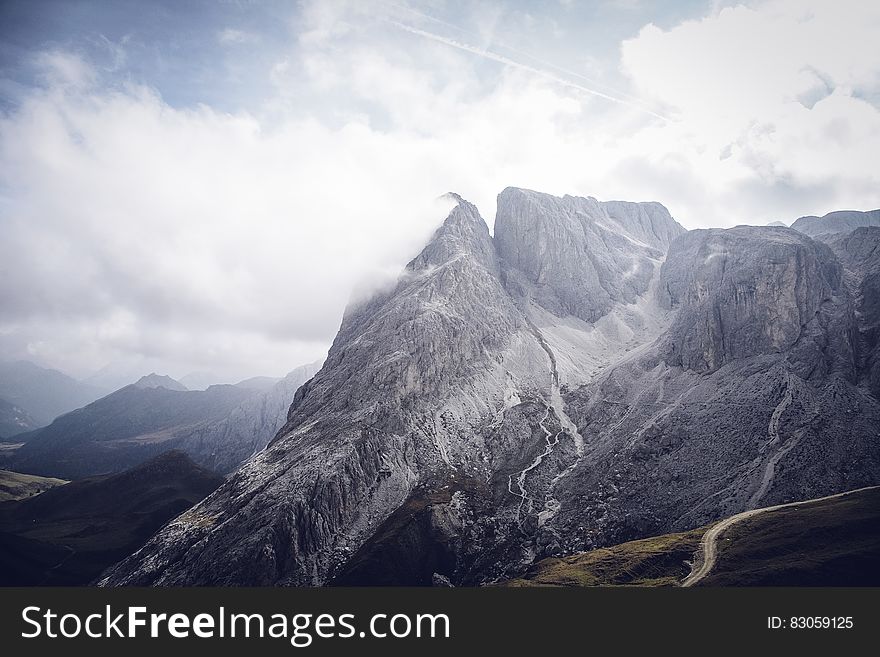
204 185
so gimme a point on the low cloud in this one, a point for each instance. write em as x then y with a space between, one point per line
133 227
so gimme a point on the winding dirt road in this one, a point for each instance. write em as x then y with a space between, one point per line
706 556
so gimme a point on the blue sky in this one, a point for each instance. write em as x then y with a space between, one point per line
172 46
203 185
179 47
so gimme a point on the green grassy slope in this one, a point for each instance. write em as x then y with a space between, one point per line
656 561
17 486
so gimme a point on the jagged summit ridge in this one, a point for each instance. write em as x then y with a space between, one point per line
578 256
462 234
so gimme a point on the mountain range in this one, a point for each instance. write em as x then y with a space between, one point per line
218 428
590 374
14 420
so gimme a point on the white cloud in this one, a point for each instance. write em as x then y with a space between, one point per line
65 70
232 241
771 96
193 232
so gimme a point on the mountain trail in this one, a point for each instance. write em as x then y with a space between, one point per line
708 550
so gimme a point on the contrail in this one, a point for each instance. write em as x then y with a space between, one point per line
501 59
509 48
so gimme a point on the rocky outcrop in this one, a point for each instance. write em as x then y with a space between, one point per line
749 291
859 251
578 256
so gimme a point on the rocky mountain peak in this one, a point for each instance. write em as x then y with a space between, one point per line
462 234
446 307
649 221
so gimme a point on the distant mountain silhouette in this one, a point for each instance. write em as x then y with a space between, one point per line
154 380
14 420
218 428
43 393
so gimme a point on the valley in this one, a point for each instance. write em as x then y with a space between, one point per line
68 534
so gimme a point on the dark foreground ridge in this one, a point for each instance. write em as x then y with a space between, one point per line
69 534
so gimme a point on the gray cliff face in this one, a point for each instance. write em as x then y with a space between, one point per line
751 397
840 222
675 449
748 291
859 251
577 256
589 375
225 444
